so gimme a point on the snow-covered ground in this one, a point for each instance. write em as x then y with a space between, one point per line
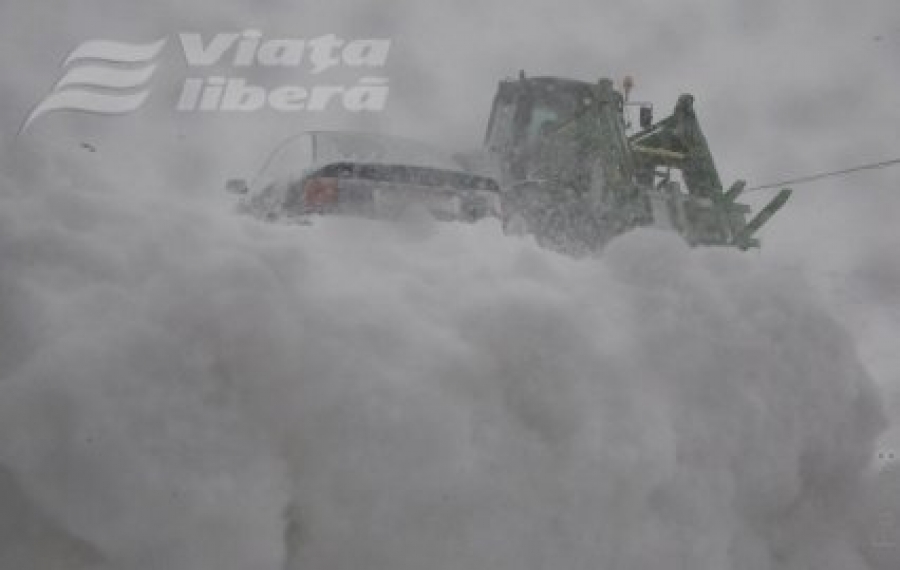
186 388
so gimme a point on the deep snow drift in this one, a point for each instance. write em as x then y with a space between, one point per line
184 388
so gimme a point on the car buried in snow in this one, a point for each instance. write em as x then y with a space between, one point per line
366 175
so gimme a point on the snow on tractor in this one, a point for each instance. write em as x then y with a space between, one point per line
573 176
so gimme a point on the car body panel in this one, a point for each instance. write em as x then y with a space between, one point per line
374 175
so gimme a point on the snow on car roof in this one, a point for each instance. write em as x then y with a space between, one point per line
302 152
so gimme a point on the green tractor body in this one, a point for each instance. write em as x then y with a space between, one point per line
573 175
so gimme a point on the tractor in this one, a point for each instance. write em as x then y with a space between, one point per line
573 175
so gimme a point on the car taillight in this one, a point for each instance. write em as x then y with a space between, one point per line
319 194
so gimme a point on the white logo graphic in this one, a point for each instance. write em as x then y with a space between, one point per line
103 77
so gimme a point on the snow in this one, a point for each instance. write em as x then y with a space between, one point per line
182 387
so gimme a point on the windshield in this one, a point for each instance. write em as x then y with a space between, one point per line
555 105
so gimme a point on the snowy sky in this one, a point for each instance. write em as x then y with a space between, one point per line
782 88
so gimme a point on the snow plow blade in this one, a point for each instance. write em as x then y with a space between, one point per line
744 239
